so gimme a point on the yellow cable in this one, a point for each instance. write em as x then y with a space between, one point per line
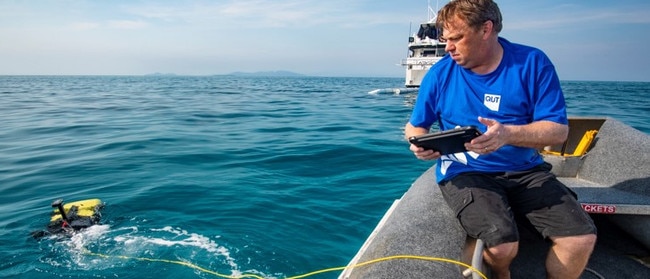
191 265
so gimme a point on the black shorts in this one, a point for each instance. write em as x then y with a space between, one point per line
488 205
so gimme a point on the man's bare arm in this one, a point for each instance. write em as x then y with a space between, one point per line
535 135
410 131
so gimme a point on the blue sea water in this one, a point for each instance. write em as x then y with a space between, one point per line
201 176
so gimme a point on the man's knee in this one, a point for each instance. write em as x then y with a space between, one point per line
581 242
504 251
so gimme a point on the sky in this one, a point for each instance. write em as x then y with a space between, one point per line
585 39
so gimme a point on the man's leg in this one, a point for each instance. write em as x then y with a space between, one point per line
499 258
481 205
468 250
554 211
569 255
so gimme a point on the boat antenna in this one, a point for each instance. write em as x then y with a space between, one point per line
431 14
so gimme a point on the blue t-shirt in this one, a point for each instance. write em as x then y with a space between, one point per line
524 88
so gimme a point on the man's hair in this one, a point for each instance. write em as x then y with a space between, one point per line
474 12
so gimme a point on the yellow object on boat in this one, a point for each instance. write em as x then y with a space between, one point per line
585 143
581 148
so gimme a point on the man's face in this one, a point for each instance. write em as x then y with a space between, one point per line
463 43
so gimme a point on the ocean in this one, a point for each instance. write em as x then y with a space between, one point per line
215 176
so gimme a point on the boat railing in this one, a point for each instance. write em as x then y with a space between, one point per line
424 61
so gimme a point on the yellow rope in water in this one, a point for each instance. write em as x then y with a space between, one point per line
191 265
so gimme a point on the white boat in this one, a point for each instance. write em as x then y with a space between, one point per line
424 50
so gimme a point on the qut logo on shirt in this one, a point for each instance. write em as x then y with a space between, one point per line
492 101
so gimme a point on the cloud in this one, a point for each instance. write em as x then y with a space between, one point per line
127 24
83 26
283 14
266 14
112 24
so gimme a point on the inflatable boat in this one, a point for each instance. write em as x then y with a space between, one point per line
604 161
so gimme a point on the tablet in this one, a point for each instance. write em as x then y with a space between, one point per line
447 142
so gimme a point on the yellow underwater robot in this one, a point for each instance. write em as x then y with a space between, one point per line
72 217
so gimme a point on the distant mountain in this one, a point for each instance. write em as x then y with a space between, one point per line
267 74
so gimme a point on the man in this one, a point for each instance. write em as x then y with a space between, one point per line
512 93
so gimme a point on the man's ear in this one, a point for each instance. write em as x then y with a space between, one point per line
487 28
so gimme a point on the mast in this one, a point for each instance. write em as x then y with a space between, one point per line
431 13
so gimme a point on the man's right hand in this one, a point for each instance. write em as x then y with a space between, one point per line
419 152
424 154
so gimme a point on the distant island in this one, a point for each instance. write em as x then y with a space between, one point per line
241 74
161 75
267 74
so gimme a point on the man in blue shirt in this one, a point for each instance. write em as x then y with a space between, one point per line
512 93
